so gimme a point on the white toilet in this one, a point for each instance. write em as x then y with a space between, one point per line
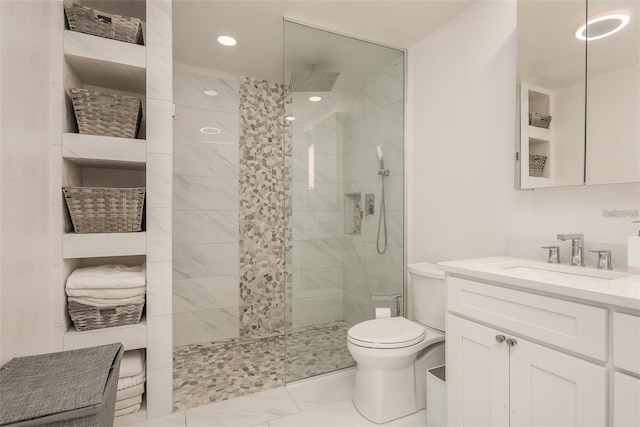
393 354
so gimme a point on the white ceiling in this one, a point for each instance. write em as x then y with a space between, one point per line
258 28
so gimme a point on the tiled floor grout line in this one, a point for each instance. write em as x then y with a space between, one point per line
292 398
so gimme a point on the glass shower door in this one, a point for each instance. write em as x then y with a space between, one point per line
344 143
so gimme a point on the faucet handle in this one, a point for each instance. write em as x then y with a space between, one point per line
604 259
554 254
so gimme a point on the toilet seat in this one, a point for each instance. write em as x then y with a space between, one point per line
394 332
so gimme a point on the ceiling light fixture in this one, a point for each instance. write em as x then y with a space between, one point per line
210 92
315 98
290 118
227 41
603 25
210 130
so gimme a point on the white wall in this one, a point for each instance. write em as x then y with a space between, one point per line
25 321
461 123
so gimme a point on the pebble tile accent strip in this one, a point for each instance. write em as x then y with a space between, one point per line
262 204
216 371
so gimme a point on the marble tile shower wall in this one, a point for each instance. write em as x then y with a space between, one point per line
206 291
374 116
317 264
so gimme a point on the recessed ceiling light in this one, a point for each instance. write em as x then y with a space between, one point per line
315 99
210 92
603 25
227 40
290 118
210 130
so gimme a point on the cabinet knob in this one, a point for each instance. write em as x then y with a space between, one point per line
500 338
511 342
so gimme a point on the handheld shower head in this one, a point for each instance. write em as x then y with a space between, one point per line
380 158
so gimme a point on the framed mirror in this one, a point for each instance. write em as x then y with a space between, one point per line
579 99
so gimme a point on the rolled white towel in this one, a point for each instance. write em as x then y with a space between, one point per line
126 393
107 293
127 403
107 276
107 302
126 411
131 364
130 381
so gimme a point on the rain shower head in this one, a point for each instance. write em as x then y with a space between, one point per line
312 81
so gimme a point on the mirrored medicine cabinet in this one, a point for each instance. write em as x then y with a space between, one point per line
579 93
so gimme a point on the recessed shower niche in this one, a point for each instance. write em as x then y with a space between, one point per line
353 213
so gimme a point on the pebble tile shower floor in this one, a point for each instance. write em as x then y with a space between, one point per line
211 372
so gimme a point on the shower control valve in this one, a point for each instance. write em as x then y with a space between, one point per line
370 203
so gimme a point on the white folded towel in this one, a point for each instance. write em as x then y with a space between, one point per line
127 403
131 364
126 393
130 381
107 302
107 293
126 411
108 276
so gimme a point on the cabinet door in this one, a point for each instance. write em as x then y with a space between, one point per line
626 400
477 375
549 388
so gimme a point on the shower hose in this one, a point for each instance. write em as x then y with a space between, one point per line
382 221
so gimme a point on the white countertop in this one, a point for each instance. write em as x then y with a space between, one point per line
620 289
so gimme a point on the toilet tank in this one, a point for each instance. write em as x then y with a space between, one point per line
427 294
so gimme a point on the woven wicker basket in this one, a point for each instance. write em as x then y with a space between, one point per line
539 120
105 210
536 164
90 21
88 317
106 114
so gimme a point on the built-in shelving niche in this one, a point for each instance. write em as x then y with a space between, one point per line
101 64
353 214
104 65
534 140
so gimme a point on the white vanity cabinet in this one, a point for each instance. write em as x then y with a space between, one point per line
527 384
626 361
516 358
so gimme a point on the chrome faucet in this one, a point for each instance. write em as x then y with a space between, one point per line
577 255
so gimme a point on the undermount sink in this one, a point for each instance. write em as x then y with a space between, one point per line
540 269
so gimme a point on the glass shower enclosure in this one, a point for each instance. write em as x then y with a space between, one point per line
344 192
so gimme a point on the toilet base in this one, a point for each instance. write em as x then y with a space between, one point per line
381 395
387 388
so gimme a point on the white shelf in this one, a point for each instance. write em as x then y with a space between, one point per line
539 181
131 337
92 245
106 63
540 134
104 151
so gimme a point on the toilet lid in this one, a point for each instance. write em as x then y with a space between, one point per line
392 332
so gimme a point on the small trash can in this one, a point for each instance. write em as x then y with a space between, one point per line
69 388
436 396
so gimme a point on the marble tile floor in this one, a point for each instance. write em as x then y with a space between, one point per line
323 401
217 371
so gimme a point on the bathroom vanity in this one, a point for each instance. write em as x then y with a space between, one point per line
530 343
